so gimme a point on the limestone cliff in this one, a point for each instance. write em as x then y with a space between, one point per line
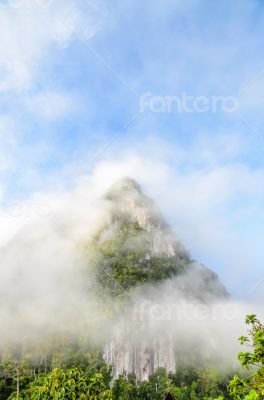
139 252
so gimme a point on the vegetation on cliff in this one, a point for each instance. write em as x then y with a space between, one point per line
124 256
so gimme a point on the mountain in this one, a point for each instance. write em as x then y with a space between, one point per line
137 246
139 266
142 260
136 305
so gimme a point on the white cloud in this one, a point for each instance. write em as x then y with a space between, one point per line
32 32
29 31
51 105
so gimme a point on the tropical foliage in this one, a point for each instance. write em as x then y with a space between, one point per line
251 386
123 252
73 375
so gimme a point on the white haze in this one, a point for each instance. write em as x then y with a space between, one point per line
210 329
44 292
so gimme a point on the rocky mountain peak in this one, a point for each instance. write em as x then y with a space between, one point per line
125 184
129 202
138 246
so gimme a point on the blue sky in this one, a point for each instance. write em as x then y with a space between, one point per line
71 78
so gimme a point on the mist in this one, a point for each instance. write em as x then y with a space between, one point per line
47 285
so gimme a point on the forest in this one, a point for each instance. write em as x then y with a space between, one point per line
71 374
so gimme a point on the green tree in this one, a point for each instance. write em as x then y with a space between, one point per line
161 384
69 384
145 391
124 389
251 386
16 371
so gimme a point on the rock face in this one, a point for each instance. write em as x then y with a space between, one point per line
129 203
137 248
141 357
